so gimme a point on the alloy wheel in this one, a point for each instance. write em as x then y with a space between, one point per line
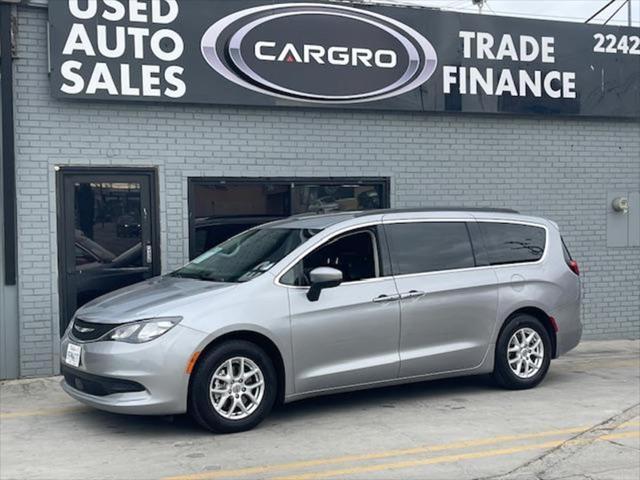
525 352
236 388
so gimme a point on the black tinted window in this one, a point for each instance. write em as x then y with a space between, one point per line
513 243
429 246
354 254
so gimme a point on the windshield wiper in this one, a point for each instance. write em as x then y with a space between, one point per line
196 276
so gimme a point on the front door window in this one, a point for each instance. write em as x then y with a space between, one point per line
107 218
355 254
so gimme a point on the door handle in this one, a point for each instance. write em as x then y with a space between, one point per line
386 298
412 294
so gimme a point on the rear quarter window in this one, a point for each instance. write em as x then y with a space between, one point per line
513 243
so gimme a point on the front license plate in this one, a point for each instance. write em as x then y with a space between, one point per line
73 355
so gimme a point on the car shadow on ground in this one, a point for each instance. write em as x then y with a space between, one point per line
449 394
456 392
453 389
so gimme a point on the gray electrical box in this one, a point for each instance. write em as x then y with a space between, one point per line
623 227
634 219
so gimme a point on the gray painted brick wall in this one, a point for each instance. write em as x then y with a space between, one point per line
558 168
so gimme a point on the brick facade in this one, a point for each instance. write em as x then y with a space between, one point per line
560 168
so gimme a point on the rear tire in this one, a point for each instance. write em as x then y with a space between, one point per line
523 353
233 387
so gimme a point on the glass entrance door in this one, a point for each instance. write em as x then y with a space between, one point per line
107 235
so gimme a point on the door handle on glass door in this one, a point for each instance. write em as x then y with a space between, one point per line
386 298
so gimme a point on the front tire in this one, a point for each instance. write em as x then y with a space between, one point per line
523 353
233 387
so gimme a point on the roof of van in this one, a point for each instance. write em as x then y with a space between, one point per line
434 209
322 221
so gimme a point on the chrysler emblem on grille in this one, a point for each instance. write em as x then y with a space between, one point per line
83 329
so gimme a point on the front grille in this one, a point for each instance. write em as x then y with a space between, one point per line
97 385
87 332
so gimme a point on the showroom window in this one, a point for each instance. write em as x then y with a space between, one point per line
220 208
429 247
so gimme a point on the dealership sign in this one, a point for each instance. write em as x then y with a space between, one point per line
340 54
327 54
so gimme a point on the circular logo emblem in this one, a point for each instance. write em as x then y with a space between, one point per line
318 53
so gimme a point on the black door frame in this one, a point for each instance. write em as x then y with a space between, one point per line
192 182
62 218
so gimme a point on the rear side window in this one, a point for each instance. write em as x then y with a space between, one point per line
513 243
429 246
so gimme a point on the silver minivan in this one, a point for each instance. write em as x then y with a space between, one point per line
317 304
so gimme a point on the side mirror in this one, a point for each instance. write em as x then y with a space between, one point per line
321 278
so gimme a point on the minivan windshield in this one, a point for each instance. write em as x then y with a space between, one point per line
245 256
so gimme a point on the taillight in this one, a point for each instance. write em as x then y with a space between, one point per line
573 265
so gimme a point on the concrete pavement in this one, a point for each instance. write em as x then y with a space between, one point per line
582 422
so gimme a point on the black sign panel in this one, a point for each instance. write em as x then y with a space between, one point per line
335 55
319 54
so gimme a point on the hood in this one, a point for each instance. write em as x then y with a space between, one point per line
154 297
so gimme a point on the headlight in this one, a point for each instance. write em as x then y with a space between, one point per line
144 330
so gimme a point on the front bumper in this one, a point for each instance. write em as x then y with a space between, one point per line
97 385
109 371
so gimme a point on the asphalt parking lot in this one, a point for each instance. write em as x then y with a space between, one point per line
583 422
